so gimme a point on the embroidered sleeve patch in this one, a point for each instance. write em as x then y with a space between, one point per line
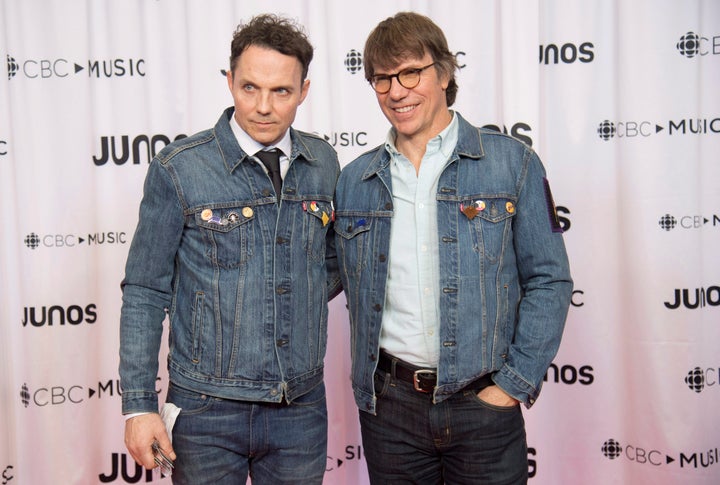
552 212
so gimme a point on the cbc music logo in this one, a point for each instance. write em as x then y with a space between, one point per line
668 222
354 61
58 395
691 45
35 241
698 379
612 449
61 68
637 129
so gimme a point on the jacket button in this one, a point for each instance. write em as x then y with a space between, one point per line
373 357
388 206
266 193
382 258
377 307
280 240
280 290
282 342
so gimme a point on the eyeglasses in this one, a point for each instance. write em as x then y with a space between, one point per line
408 78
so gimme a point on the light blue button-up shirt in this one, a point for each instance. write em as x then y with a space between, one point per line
410 318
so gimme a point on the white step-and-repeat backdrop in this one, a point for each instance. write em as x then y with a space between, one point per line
620 98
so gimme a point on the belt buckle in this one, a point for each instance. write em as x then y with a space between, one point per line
416 378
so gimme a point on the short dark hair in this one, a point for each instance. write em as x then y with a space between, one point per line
408 35
273 32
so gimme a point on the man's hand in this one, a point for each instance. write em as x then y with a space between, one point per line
140 432
497 397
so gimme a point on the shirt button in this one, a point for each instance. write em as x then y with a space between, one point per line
421 205
424 248
427 291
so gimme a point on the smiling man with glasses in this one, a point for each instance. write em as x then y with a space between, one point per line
455 271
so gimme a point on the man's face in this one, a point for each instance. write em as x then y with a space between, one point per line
419 113
267 89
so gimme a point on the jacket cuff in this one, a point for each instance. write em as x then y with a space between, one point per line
515 386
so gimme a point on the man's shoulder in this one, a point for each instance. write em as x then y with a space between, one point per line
361 163
183 145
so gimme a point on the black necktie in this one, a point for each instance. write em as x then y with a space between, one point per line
271 160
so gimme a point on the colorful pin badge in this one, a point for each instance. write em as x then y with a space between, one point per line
206 215
233 217
480 205
510 207
247 212
313 206
325 218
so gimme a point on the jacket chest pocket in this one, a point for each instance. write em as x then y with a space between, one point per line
226 234
317 218
490 221
352 240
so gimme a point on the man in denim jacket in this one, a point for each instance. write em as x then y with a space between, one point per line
453 263
244 273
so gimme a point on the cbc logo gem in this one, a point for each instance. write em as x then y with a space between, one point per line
689 45
353 61
695 380
667 222
606 130
12 67
611 449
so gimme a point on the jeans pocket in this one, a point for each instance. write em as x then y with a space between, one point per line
473 395
314 396
190 402
381 382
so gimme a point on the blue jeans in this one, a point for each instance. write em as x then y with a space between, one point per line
461 440
221 441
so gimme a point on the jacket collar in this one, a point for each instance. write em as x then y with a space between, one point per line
233 155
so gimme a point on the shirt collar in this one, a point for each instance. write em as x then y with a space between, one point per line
444 142
251 147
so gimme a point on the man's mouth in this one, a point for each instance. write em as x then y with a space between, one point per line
405 109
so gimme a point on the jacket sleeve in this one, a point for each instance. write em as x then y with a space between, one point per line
545 283
147 289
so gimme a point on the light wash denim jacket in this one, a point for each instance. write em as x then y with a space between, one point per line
505 282
245 281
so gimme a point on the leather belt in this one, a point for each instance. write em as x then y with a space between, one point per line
422 379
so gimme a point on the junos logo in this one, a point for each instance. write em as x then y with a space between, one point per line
568 53
144 148
568 374
696 298
59 315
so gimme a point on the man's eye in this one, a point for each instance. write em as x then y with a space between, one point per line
248 87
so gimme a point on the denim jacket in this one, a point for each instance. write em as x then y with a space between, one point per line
505 282
244 279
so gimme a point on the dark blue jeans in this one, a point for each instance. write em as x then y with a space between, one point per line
221 441
461 440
